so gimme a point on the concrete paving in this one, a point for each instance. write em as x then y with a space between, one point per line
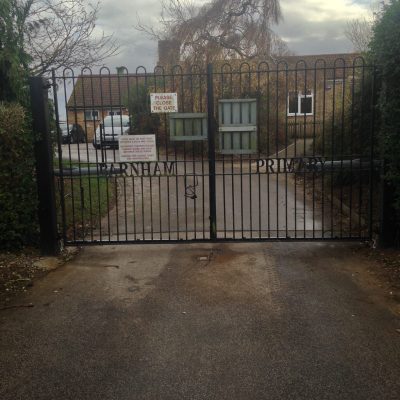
216 321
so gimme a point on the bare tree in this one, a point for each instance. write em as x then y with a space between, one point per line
220 29
62 33
359 31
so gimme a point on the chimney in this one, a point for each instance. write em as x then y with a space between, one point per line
121 70
168 52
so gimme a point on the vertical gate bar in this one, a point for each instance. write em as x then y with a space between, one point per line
315 99
79 165
147 107
251 198
114 128
178 166
134 207
160 181
59 149
193 166
268 152
361 155
332 147
87 164
241 155
277 147
372 149
233 191
286 151
351 152
305 148
258 108
151 207
141 210
201 80
182 98
342 148
223 156
323 153
250 155
166 149
70 180
166 138
295 148
97 158
231 158
47 212
104 152
143 213
158 145
160 207
125 208
121 133
211 151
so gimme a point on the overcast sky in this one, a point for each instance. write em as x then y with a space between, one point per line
308 26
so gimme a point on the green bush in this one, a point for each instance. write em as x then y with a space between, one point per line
18 204
385 50
143 122
13 58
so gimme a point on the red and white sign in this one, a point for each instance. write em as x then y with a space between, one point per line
164 102
137 148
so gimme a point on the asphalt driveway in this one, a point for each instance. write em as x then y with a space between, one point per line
227 321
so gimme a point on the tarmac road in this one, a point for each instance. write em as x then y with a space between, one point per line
224 321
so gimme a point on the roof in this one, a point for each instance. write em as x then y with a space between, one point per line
335 66
103 90
112 90
330 60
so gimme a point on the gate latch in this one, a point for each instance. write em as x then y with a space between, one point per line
190 190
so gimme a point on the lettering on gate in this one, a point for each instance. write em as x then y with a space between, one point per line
129 169
289 165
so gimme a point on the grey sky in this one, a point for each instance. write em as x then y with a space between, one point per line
309 27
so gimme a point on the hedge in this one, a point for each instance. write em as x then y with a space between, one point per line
18 195
385 51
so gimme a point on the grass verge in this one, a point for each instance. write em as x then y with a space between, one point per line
87 198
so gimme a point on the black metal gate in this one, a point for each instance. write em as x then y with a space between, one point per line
254 151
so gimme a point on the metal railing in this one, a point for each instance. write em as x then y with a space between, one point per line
264 167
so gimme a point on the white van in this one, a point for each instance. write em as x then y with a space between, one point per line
107 133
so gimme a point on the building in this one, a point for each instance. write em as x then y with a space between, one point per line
299 92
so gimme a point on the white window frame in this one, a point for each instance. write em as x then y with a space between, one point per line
300 96
92 117
329 83
115 113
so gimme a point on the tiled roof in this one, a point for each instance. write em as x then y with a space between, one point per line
98 91
313 60
102 90
335 65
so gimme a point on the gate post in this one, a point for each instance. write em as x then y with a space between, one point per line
211 152
44 166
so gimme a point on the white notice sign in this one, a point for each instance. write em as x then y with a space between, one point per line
137 148
164 102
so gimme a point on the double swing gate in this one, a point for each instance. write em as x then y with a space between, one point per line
266 151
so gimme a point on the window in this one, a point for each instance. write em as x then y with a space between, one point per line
91 115
334 82
354 82
116 121
113 112
300 104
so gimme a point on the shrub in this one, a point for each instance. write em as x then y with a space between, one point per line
18 205
385 50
